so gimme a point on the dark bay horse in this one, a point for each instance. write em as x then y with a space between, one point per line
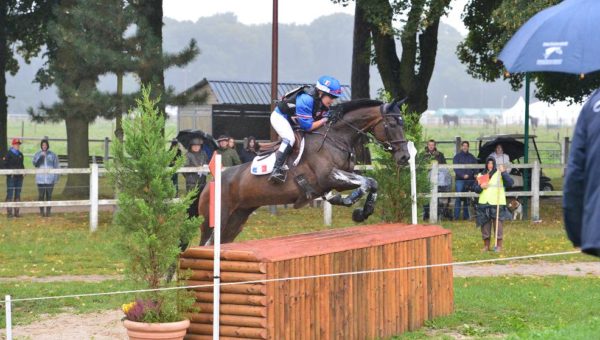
327 164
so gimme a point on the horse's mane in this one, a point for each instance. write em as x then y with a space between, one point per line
356 104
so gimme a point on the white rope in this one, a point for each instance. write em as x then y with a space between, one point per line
462 263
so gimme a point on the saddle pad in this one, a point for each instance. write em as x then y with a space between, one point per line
263 165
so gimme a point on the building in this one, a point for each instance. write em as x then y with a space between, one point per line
235 108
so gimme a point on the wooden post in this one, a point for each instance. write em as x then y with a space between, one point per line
457 142
327 212
564 159
7 306
433 205
535 190
94 197
106 150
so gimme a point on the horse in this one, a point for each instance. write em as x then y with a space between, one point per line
534 122
327 165
447 119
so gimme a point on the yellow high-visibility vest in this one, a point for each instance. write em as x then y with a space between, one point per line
494 194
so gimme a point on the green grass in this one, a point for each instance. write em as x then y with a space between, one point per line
60 245
26 312
520 308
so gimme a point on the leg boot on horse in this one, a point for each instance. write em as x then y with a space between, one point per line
278 175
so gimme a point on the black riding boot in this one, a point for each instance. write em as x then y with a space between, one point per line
278 175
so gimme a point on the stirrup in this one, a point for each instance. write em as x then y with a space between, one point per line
278 176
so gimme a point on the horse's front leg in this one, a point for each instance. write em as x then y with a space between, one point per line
343 180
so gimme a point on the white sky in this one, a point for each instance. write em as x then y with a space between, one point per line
290 11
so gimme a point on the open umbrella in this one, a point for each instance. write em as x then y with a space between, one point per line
562 38
185 137
510 146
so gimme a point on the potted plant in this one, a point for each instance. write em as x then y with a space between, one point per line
153 225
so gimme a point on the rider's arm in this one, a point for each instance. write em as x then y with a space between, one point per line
304 107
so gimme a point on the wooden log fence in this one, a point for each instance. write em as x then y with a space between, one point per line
359 306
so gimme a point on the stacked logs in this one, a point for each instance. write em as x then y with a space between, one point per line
243 306
359 306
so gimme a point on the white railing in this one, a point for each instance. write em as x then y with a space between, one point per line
93 202
534 193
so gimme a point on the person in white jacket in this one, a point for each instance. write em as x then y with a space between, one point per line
501 158
45 159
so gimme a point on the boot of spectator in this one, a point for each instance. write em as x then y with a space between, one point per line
42 212
486 245
48 211
16 210
9 212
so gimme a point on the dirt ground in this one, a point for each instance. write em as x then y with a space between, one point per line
107 325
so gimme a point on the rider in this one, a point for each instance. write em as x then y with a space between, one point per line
305 108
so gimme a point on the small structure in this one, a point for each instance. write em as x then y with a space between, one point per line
235 108
368 305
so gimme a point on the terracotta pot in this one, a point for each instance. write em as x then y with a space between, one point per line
162 331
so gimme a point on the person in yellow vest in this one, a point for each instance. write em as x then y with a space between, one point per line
490 185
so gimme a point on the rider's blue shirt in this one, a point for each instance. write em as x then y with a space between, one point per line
304 109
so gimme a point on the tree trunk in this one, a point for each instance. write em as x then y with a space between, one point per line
151 71
361 54
77 150
3 62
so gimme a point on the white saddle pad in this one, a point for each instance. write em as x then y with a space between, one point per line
262 165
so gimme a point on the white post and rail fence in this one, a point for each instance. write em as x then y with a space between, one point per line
94 202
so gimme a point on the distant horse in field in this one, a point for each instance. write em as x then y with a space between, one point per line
447 119
534 122
327 165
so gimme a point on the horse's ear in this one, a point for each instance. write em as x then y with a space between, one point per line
400 102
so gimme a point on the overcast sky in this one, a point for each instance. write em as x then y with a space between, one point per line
290 11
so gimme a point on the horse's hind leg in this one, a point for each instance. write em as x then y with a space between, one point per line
235 224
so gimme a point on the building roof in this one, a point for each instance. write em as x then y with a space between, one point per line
250 92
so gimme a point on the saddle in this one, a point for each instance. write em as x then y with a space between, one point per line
270 147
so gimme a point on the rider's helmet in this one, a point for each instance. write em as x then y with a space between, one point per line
329 85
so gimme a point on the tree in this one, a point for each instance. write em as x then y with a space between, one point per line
21 26
491 24
361 53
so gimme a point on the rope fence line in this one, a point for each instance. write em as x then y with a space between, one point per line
293 278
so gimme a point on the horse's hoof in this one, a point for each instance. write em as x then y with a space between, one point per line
357 215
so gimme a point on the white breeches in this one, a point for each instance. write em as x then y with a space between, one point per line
283 129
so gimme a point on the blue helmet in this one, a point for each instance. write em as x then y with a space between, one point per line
329 85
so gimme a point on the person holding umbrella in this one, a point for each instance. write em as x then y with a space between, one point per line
490 186
195 157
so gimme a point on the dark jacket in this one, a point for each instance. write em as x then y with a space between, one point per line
581 189
247 155
435 155
14 160
229 157
464 158
192 179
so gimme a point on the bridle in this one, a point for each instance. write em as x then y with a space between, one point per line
388 144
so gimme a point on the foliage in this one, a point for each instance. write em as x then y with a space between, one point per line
394 191
152 225
491 24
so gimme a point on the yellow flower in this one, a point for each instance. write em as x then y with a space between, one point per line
126 307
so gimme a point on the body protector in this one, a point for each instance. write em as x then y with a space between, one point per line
287 104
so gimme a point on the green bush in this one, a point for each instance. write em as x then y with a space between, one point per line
152 225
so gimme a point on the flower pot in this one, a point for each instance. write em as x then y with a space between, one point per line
162 331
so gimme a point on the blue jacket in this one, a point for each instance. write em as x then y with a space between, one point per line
464 158
50 161
304 109
581 201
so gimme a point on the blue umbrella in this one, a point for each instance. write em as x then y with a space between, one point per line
562 38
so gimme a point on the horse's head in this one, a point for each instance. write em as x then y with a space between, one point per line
389 131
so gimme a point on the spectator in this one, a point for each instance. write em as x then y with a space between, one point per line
174 178
581 203
490 185
500 157
464 179
250 149
195 157
444 178
14 160
45 159
229 157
